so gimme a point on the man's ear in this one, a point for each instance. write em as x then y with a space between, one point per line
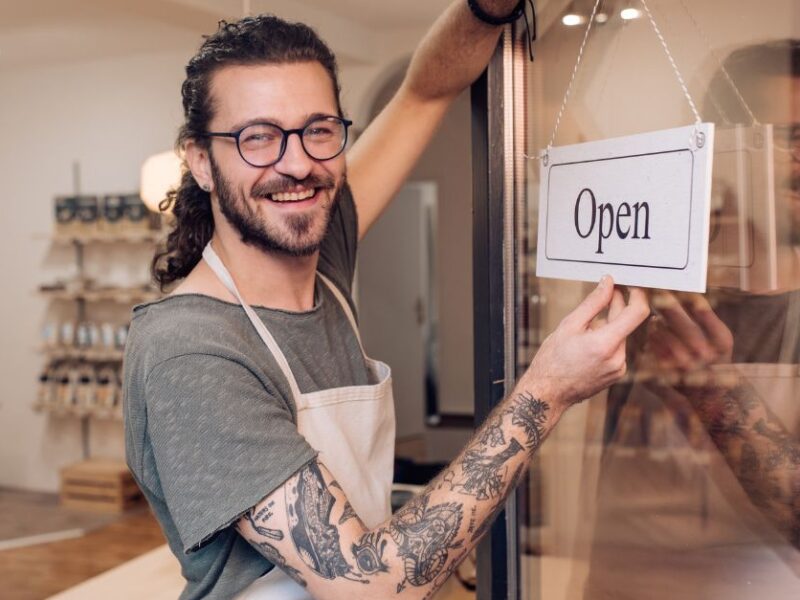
199 163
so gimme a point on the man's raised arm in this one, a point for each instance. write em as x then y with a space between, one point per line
452 55
308 528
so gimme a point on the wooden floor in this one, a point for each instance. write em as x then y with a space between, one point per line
39 571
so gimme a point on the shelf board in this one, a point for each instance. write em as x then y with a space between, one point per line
96 412
130 237
120 295
85 354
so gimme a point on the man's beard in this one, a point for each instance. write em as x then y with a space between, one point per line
291 240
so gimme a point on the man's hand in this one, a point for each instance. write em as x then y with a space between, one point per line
586 353
687 334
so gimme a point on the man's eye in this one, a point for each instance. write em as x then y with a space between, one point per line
319 131
259 138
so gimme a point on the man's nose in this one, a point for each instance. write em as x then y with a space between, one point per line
295 162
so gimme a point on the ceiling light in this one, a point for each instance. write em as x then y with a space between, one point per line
601 18
571 20
629 14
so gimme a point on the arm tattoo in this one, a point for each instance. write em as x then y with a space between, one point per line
784 451
424 536
515 479
309 505
368 553
270 552
762 453
531 414
348 513
483 476
273 534
492 434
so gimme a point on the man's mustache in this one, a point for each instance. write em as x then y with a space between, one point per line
286 184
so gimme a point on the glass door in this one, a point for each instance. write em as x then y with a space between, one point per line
682 481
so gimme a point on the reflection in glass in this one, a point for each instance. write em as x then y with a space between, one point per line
683 481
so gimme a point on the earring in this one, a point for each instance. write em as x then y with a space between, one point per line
206 187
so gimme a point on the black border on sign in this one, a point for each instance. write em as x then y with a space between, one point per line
600 262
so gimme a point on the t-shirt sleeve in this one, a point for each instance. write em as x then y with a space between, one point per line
221 442
337 256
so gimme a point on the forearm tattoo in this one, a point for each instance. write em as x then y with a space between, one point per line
270 552
309 505
531 414
347 514
424 536
368 553
763 454
482 475
495 510
492 433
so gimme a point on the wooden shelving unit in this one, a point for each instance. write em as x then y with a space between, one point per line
84 293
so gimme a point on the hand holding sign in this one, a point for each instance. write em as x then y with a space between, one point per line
584 355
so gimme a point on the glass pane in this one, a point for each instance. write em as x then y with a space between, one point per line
682 481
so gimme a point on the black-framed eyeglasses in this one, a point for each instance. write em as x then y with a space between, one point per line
263 144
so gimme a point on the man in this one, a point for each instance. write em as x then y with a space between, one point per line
258 430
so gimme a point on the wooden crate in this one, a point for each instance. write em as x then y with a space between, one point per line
99 486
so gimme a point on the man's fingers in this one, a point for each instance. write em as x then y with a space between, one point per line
721 337
617 304
671 350
581 317
685 328
629 317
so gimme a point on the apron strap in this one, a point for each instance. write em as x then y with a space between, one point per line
345 307
213 260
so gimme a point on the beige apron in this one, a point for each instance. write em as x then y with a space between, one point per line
352 428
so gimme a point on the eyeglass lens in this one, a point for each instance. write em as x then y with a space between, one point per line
262 144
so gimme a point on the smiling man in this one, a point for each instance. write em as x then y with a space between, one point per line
256 426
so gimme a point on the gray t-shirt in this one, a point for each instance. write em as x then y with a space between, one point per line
210 424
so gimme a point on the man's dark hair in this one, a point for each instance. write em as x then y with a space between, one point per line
748 67
264 39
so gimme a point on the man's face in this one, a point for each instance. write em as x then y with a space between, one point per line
285 207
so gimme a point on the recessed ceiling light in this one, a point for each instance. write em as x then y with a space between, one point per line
601 18
571 20
629 14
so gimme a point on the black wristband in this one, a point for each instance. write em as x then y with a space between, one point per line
482 15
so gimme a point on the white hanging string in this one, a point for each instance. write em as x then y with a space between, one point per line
580 58
701 32
574 74
672 62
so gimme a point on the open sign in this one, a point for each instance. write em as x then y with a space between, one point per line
610 222
636 208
